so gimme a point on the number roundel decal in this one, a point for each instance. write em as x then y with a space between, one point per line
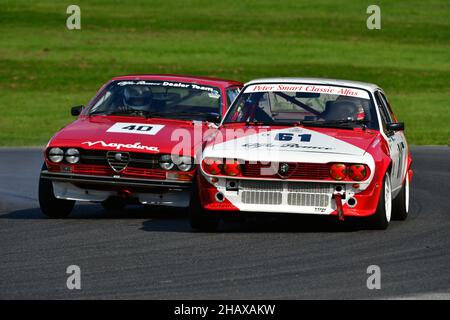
136 128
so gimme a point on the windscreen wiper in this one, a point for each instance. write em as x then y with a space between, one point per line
345 124
123 111
179 114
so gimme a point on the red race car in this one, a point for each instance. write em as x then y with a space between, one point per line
306 146
125 145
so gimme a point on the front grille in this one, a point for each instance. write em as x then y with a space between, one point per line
288 193
118 160
136 159
132 164
105 170
306 171
92 169
259 197
308 200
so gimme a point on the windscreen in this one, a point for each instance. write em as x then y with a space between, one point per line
303 103
158 98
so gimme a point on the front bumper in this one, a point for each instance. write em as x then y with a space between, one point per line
93 188
114 181
318 198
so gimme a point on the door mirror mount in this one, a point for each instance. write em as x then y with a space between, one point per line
213 117
396 126
76 111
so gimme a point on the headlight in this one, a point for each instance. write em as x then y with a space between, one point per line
184 163
338 171
72 155
165 162
213 165
56 155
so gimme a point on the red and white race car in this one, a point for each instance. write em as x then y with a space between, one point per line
124 147
306 146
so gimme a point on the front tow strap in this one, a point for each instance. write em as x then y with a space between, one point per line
338 199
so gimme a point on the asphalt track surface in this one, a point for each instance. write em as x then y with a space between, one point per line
151 253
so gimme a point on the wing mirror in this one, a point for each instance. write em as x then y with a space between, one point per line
213 117
76 111
395 126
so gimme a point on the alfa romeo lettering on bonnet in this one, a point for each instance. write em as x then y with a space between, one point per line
136 128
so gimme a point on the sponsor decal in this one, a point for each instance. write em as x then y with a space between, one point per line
118 146
136 128
171 84
336 90
257 145
287 136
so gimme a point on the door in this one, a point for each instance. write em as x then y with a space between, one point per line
396 142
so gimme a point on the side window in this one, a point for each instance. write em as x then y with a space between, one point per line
388 105
385 116
231 95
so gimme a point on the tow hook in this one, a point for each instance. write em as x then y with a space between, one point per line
125 193
338 198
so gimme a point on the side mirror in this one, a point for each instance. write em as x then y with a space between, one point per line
76 111
395 126
213 117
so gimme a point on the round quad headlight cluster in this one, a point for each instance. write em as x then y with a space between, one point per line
184 163
72 155
57 155
167 162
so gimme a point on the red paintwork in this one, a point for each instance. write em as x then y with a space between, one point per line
298 171
93 128
207 194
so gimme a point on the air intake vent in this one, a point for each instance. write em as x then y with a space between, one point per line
118 160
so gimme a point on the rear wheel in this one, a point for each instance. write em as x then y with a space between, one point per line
199 218
400 206
51 206
380 220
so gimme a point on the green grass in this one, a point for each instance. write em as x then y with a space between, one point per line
45 68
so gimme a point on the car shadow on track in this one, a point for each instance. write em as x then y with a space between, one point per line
94 211
166 219
292 224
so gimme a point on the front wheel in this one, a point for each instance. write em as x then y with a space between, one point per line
51 206
380 220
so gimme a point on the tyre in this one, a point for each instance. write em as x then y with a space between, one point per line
380 220
199 218
50 205
113 205
400 205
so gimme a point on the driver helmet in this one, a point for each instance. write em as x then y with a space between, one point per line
356 112
137 97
